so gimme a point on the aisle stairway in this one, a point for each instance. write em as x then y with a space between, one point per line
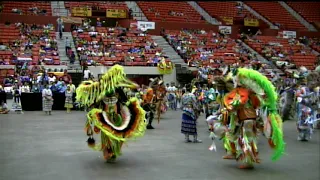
203 13
58 8
270 65
181 66
136 11
62 50
257 15
297 16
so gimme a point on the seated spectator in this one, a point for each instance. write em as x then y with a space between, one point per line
25 88
4 108
17 11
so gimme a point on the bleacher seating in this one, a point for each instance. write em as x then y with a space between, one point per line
315 44
223 9
310 11
279 49
150 10
24 7
10 36
275 13
103 5
116 47
218 50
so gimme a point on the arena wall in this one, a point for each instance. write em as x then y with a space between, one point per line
126 23
136 70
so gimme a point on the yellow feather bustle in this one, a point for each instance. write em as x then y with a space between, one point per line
90 92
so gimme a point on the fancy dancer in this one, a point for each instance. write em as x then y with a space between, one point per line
149 106
238 126
112 114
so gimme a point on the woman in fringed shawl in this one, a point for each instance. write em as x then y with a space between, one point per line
112 113
68 100
239 121
189 116
47 100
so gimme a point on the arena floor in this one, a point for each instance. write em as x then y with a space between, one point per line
39 147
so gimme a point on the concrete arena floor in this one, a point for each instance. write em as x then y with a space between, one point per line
39 147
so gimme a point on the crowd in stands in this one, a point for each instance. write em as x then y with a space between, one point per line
315 44
31 43
295 52
98 45
198 48
27 82
27 8
177 11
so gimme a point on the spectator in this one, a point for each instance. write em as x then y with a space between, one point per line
60 26
86 74
4 108
130 13
36 88
72 58
68 44
25 88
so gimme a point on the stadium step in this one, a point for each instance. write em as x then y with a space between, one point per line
62 50
269 64
257 15
136 11
58 8
203 13
297 16
171 53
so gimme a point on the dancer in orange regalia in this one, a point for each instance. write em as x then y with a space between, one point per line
239 124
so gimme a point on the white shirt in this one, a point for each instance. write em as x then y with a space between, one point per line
39 79
25 89
59 21
86 73
52 79
46 92
172 89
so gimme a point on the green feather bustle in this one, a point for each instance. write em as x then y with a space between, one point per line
270 102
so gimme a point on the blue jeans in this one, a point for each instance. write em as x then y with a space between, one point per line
173 104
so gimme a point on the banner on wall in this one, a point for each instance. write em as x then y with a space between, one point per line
69 19
81 11
289 34
228 20
251 22
146 25
225 29
116 13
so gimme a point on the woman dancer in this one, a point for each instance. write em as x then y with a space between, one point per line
47 100
68 102
189 116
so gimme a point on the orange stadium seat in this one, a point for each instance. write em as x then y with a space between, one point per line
308 10
275 13
25 5
163 8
